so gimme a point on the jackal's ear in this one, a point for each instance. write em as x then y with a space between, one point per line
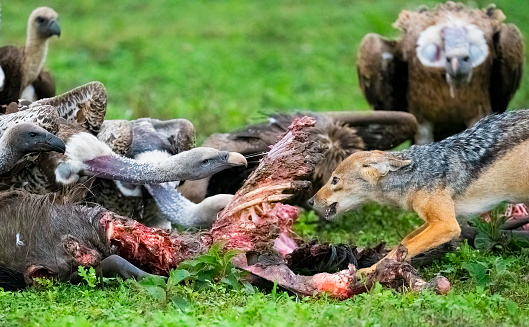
386 164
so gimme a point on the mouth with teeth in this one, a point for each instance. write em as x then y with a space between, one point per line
330 210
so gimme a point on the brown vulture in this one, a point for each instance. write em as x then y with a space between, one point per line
23 74
452 66
341 133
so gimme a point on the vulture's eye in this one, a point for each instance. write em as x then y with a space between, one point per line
466 59
334 180
32 134
40 20
205 161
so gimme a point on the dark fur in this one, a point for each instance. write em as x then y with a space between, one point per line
42 223
458 160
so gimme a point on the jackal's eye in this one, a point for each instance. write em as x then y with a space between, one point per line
334 180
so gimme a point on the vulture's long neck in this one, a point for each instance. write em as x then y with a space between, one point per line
173 205
34 57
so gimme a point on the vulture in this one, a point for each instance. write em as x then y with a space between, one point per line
155 205
165 150
75 117
25 138
340 133
23 75
451 66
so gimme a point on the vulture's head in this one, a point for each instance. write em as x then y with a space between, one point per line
456 46
43 24
28 138
203 161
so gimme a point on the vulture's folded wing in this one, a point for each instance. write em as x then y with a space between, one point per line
507 67
11 59
379 130
44 85
117 134
180 133
86 105
382 74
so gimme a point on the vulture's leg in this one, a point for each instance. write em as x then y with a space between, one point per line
424 132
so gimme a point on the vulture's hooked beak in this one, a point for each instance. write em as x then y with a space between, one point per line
237 159
458 64
459 69
55 143
54 28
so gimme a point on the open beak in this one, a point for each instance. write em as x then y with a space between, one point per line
55 143
237 159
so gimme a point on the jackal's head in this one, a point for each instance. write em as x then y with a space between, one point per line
356 180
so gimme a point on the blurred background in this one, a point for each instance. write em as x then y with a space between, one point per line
220 64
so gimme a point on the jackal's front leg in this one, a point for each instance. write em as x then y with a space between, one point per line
438 212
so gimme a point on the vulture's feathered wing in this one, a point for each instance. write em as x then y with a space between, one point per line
341 133
79 110
24 76
452 66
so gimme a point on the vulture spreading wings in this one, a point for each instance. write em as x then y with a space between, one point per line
452 66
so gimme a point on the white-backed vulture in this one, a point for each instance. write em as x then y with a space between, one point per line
23 72
155 205
452 66
341 134
86 155
25 138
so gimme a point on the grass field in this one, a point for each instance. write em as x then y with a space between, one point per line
223 64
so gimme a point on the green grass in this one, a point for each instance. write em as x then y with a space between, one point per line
223 64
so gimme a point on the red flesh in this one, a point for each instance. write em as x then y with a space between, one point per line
256 216
151 249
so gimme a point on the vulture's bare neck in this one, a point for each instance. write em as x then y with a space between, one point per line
34 57
8 155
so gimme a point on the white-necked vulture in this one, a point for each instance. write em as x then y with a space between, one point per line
85 155
25 138
22 68
341 133
155 205
452 66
